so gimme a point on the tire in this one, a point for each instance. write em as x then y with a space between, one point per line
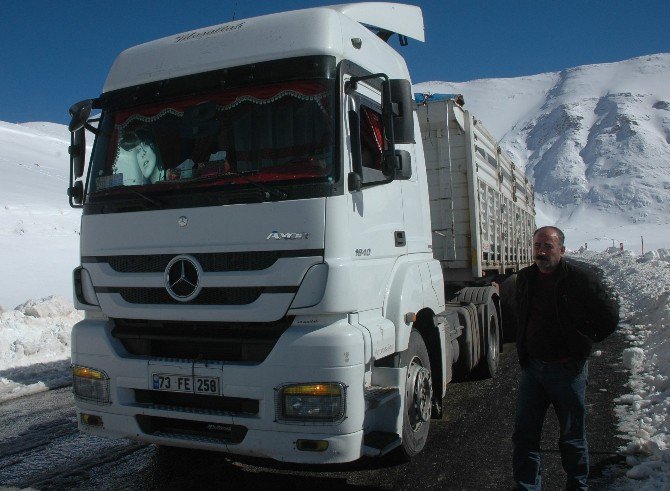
464 364
508 328
488 366
418 396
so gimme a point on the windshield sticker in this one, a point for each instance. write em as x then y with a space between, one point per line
105 182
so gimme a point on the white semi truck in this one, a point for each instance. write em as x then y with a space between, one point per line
282 254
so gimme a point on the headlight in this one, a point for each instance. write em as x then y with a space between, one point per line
90 384
319 402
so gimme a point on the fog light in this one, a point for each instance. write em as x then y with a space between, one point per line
324 402
312 445
90 385
91 419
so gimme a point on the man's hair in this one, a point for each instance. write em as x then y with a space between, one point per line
559 232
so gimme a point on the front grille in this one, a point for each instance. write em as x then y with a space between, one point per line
169 427
189 402
207 296
234 261
210 262
237 342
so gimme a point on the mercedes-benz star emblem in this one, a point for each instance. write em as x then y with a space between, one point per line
182 278
182 221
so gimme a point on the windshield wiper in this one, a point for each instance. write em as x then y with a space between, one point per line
116 194
268 191
155 202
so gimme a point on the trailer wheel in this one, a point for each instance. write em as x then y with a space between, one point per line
489 363
507 302
418 396
464 364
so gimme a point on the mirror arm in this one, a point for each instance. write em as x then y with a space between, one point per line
355 177
355 130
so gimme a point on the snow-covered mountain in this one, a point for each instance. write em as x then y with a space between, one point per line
596 141
39 232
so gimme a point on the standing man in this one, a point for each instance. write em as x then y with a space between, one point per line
561 309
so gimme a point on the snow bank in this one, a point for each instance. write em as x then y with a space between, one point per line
35 346
633 358
644 413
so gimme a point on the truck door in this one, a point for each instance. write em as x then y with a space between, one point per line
376 230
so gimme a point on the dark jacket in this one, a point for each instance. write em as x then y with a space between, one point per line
587 309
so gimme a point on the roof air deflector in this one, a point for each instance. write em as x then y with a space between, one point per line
388 18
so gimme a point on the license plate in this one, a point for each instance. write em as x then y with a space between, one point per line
193 384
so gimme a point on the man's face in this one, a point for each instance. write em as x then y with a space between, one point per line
547 250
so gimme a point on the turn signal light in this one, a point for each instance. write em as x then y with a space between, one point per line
314 390
85 372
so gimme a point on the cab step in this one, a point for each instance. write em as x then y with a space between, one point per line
376 396
378 443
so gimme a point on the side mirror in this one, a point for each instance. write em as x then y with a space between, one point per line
398 165
76 193
80 113
402 109
77 152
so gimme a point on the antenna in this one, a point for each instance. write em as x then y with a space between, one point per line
234 9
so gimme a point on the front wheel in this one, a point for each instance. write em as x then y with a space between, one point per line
418 396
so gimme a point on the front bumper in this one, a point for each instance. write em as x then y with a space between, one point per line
330 352
268 444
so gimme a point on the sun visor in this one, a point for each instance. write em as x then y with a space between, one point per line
406 20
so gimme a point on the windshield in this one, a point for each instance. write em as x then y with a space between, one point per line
271 135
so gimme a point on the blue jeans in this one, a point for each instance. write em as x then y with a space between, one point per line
563 385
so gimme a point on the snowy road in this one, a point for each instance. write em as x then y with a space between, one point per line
41 448
468 449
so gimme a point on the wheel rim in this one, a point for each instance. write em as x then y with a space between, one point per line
419 394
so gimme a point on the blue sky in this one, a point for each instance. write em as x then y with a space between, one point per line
55 53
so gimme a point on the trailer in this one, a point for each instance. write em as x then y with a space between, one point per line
482 206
